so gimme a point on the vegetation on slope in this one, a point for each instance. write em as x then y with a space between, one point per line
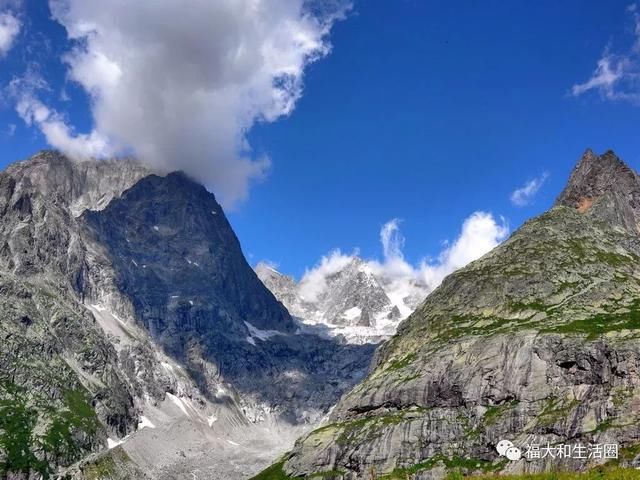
35 435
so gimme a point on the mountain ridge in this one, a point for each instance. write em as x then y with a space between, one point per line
534 342
128 299
352 303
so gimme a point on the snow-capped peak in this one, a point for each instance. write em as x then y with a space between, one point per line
349 298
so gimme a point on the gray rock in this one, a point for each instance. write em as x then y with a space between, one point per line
535 342
124 292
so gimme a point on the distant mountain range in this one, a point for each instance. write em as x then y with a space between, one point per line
354 303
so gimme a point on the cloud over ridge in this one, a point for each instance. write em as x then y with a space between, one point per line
179 84
480 233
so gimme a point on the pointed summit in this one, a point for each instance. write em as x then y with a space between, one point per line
500 344
604 186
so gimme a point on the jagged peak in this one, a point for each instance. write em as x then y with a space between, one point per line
609 184
594 175
81 184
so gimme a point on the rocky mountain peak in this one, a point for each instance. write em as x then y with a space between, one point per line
605 186
523 343
77 184
356 302
127 303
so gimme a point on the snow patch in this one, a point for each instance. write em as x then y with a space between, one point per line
261 334
251 341
233 443
155 227
352 313
211 420
145 422
113 443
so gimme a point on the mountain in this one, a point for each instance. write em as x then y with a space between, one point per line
535 343
137 339
354 303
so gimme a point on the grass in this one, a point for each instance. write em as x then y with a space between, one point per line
459 469
456 465
64 434
274 472
600 473
601 324
370 427
494 412
555 410
104 466
402 363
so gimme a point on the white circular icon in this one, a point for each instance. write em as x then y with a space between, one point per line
513 454
503 446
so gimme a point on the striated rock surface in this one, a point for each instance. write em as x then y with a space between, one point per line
132 327
537 342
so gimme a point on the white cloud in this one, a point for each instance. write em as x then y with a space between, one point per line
391 239
181 83
480 233
524 195
58 133
617 76
9 30
314 281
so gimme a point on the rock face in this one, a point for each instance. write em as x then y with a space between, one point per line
353 303
536 343
130 316
194 292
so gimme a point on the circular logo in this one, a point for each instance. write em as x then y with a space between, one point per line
513 454
503 446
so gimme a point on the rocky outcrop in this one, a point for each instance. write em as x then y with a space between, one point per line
130 316
177 260
536 343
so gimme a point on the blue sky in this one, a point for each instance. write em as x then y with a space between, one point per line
422 111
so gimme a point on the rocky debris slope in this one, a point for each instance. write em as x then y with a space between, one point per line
55 361
353 303
130 317
536 343
177 259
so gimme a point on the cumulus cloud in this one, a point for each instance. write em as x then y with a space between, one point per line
524 195
9 30
481 232
314 281
179 84
404 283
58 133
617 75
